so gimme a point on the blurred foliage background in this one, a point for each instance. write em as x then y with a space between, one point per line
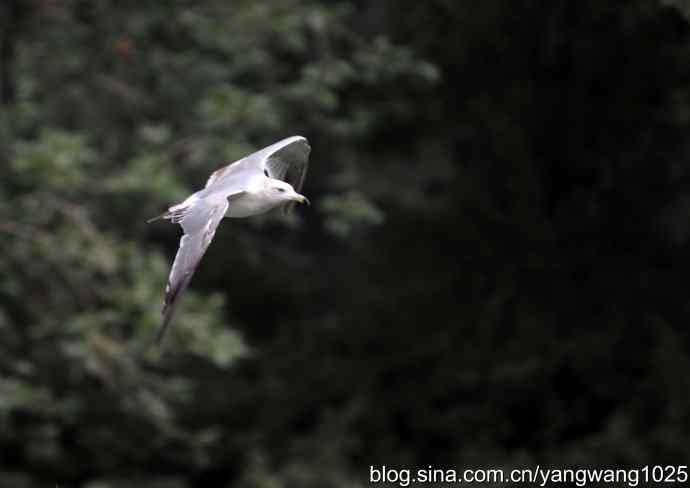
495 271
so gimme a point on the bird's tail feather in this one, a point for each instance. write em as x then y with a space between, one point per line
175 214
164 215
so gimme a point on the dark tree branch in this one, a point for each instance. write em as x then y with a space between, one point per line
9 18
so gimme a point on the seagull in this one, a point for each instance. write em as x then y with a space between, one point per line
269 178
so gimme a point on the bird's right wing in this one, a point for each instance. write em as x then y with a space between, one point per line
218 174
286 160
199 223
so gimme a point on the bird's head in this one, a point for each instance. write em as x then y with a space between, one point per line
284 192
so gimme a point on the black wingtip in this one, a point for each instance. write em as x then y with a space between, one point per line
163 328
167 311
172 297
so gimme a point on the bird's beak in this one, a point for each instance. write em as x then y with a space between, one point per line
302 199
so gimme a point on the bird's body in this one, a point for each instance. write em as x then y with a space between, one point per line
256 201
253 185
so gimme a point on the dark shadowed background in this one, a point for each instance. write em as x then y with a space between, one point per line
495 271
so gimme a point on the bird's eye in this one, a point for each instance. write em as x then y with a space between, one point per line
281 190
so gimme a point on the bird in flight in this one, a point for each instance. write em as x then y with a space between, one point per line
269 178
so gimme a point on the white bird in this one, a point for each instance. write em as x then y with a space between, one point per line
253 185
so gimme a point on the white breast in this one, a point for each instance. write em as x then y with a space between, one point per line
248 204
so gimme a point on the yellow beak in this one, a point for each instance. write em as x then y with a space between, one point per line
302 199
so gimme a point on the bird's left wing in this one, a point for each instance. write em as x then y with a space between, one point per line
199 222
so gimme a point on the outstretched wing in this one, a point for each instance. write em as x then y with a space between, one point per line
219 173
285 160
199 222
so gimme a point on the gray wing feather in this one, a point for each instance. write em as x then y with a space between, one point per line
233 178
199 223
285 160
